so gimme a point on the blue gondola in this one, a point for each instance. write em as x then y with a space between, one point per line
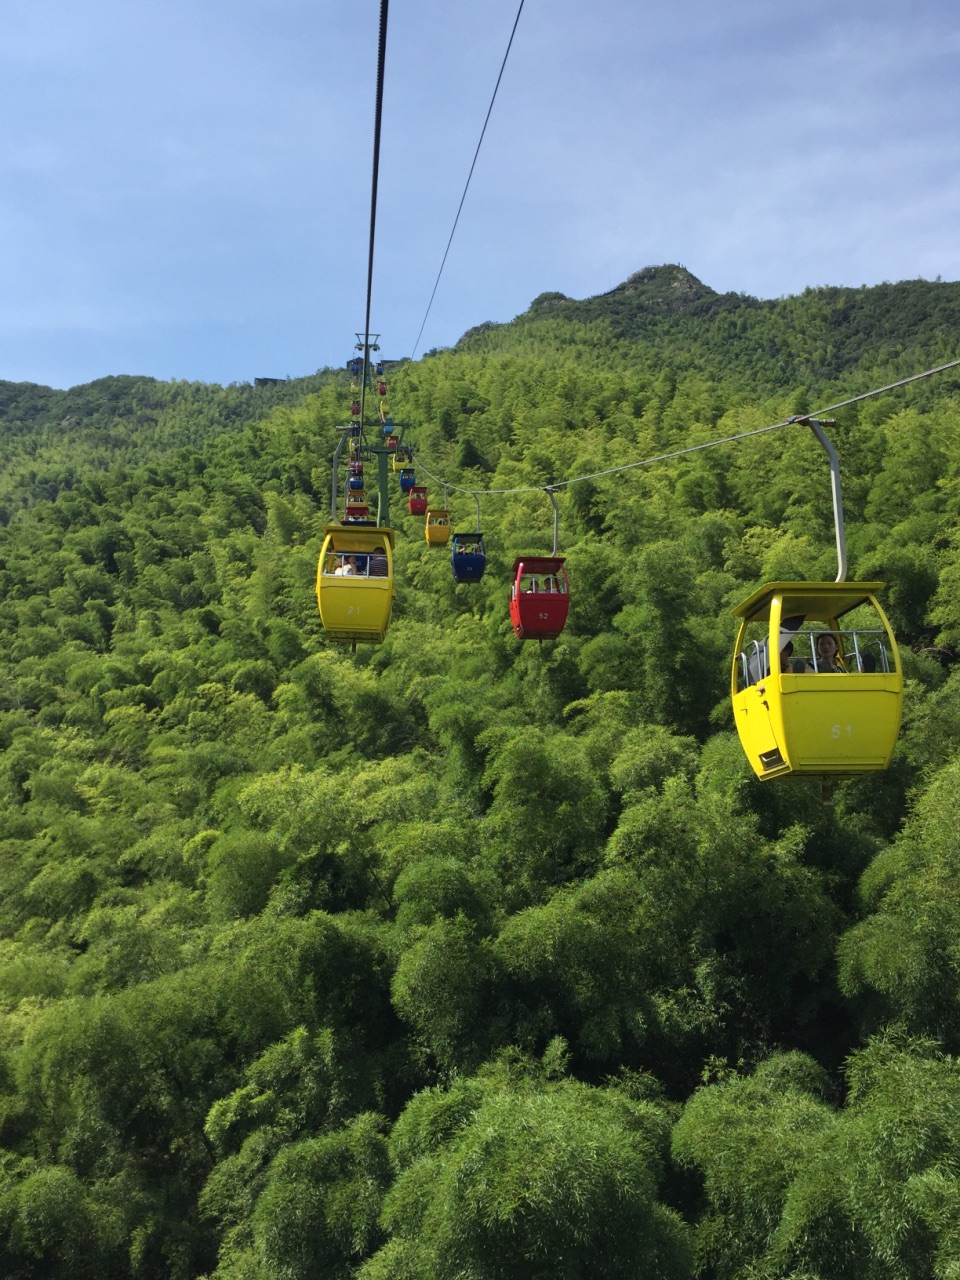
468 557
408 479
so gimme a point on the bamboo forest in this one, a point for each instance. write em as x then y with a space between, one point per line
455 955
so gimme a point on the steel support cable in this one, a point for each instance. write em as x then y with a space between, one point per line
697 448
892 386
378 116
469 176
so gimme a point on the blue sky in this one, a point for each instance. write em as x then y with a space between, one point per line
185 184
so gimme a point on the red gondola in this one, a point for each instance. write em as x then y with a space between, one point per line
418 500
356 510
539 597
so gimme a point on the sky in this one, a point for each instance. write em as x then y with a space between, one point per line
185 185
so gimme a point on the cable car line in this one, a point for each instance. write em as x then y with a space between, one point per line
469 176
374 184
892 386
612 471
698 448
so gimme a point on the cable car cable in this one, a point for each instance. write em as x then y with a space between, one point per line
469 176
699 448
378 116
892 386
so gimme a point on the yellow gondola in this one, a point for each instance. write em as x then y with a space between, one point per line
355 583
437 526
812 697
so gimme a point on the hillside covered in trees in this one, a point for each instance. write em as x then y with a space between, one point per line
458 957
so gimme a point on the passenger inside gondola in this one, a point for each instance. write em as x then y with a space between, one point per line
827 658
788 663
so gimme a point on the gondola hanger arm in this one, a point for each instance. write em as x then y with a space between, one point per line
551 494
816 425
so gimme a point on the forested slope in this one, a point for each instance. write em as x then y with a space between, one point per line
457 957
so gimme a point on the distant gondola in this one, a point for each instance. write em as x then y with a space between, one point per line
468 556
437 527
357 509
418 501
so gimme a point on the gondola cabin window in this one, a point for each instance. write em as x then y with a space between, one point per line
859 647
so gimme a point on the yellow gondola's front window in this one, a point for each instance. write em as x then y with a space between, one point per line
862 647
356 565
859 651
